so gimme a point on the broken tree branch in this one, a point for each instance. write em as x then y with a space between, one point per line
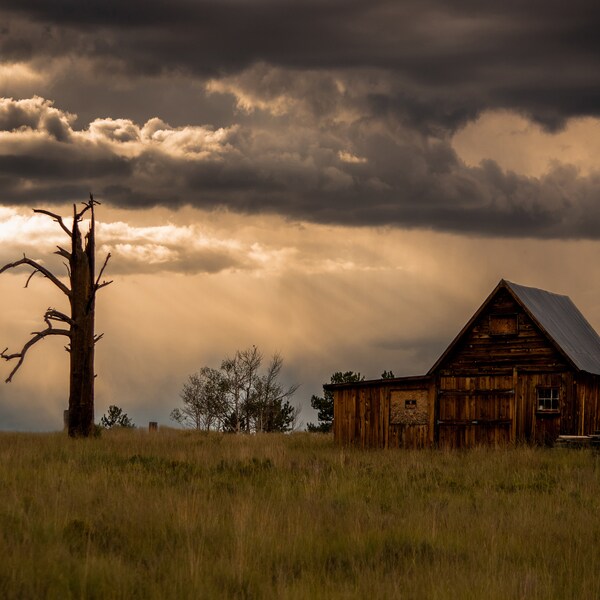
45 272
55 315
56 217
86 206
30 277
99 285
64 253
37 336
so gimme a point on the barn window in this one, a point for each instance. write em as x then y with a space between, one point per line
548 399
504 324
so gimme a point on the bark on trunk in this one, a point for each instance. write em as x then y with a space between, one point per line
83 291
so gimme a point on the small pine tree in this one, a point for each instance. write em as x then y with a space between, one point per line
115 417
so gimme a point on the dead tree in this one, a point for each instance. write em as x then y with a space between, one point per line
79 326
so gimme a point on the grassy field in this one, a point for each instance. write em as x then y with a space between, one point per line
184 515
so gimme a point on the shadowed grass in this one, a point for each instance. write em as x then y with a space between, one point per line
186 515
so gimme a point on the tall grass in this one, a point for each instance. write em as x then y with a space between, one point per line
183 515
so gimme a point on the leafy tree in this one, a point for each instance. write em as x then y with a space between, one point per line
115 417
204 401
78 326
324 404
271 409
241 375
237 397
387 375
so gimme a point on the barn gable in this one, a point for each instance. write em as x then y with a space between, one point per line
525 327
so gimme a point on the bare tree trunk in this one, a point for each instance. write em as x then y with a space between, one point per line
82 298
83 292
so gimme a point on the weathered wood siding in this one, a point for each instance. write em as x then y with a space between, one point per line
543 427
485 348
463 411
360 416
588 393
475 410
496 370
364 417
411 426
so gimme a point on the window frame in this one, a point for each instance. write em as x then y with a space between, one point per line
551 401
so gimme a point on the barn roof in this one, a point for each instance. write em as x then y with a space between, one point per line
414 380
558 319
563 323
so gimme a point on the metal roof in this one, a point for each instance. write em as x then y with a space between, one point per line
562 322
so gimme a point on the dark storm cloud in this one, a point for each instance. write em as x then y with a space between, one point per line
452 59
35 113
391 176
330 111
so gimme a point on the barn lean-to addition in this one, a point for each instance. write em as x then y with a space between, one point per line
525 368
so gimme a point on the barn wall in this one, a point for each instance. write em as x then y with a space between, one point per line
363 414
361 417
588 401
475 410
463 411
412 427
498 409
542 427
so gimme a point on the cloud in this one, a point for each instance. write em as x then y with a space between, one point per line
366 172
184 249
225 105
519 145
35 114
445 62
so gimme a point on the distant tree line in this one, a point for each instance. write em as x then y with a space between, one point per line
238 397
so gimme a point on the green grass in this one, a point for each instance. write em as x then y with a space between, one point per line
184 515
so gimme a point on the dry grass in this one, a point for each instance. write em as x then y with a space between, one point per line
182 515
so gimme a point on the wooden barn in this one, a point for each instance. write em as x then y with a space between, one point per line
525 368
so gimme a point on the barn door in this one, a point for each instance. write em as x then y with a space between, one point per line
475 411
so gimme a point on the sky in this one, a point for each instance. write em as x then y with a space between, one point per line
343 182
